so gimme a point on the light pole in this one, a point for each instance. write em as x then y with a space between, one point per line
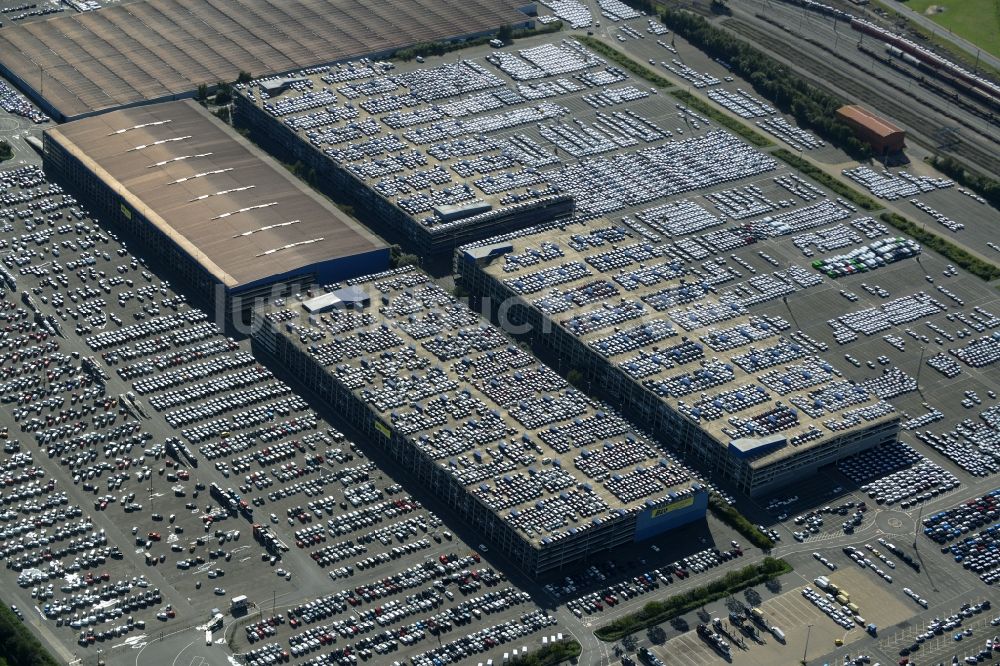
809 628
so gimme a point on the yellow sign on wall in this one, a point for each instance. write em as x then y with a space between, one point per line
125 211
672 507
382 428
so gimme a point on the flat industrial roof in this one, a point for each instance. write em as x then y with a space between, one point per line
146 51
219 198
521 439
862 116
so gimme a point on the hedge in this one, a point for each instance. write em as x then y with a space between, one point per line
550 655
18 645
826 179
730 516
721 118
625 62
658 612
958 255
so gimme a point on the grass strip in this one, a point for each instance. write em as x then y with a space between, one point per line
658 612
721 118
550 655
958 255
625 62
822 177
728 514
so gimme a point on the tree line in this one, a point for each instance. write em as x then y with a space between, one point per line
18 646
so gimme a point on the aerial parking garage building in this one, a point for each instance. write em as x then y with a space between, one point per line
232 225
677 348
423 155
545 474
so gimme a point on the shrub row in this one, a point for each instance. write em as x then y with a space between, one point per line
657 612
822 177
730 516
958 255
727 121
986 187
625 62
550 655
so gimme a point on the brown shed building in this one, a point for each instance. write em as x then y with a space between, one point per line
883 136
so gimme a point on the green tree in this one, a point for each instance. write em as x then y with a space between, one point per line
505 34
223 114
407 259
720 7
656 635
244 77
6 150
223 93
202 94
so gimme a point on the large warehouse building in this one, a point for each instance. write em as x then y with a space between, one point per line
739 393
77 65
231 223
545 474
884 137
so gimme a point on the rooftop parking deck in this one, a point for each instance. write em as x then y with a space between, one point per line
685 330
444 146
516 435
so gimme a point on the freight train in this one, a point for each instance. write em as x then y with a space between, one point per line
928 58
976 85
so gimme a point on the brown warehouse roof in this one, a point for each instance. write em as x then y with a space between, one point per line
225 203
880 126
144 51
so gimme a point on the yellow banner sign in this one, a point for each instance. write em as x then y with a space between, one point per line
382 428
125 211
672 507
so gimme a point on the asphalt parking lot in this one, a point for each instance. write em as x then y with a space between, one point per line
82 421
85 401
291 449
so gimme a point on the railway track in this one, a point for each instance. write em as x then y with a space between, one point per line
819 72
